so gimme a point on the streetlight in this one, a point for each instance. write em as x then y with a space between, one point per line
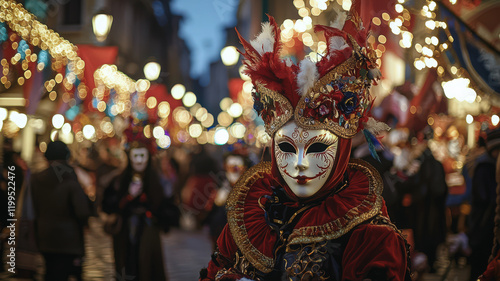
152 70
101 24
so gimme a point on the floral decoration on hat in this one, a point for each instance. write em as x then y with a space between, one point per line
331 94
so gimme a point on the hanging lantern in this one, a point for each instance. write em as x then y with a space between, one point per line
101 25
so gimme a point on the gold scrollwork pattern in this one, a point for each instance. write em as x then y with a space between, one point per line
243 265
308 262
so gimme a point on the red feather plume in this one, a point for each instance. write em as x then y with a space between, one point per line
269 69
333 57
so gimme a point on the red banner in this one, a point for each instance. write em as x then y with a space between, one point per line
94 57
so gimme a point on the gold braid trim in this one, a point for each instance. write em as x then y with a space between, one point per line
348 67
277 120
235 214
309 234
340 226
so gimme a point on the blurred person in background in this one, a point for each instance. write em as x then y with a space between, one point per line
109 166
7 161
200 189
485 212
14 184
236 162
459 203
168 169
85 164
138 211
27 255
61 213
428 192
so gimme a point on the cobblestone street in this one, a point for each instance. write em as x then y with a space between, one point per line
186 252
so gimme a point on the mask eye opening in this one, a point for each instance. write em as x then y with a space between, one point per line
317 147
287 147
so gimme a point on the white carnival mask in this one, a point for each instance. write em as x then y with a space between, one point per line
139 159
235 166
305 158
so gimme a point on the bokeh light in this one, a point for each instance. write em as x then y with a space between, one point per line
88 131
178 91
221 136
57 121
189 99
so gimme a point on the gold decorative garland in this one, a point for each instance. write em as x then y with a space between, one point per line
38 34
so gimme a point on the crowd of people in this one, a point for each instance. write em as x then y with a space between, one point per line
154 192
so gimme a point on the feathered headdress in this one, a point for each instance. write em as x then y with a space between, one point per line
330 94
135 137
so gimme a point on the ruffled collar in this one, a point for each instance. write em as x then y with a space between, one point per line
332 218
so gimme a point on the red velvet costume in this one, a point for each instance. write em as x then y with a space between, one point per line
342 231
357 211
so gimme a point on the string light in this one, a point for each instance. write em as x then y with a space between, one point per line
108 77
32 32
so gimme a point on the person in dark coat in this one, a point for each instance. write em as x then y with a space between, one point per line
137 200
61 213
428 194
483 215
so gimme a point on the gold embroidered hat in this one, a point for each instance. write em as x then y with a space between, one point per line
331 94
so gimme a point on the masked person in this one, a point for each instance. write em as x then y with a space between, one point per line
312 213
235 163
136 202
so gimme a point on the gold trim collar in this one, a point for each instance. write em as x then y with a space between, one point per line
331 230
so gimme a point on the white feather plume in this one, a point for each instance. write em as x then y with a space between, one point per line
375 127
245 279
339 21
338 43
308 75
265 40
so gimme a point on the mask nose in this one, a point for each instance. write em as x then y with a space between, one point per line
302 163
139 158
